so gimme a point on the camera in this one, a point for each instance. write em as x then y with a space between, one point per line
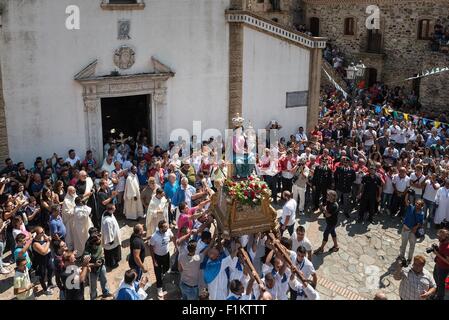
433 247
403 262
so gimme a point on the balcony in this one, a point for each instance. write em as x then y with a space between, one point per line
122 5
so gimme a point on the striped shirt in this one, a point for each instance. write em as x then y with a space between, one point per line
413 284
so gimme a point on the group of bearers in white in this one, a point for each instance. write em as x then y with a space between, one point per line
278 278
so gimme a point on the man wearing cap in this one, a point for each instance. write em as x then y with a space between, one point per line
369 195
188 171
344 178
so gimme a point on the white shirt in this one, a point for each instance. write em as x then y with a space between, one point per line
388 186
279 291
413 178
401 136
306 266
401 184
160 242
299 137
287 174
126 165
358 177
108 167
304 293
429 191
72 161
305 243
394 132
121 181
410 134
189 191
289 210
370 136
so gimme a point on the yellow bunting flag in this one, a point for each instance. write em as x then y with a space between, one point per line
405 116
437 124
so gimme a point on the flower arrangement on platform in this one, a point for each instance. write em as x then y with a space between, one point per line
247 192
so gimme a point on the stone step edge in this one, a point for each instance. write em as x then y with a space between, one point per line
350 295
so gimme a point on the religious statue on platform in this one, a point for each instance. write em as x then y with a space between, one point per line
242 162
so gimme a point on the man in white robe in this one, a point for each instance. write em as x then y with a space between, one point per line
110 232
82 224
133 204
68 211
157 211
442 201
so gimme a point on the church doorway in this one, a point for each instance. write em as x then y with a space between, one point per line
129 114
315 26
371 76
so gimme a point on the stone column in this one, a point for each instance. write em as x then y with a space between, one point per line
159 118
92 109
4 152
314 87
235 70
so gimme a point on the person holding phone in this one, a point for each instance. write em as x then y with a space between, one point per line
42 260
3 265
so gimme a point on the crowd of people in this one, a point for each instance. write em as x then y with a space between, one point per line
58 218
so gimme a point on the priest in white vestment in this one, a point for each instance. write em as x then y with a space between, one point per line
442 201
157 211
82 224
68 211
133 204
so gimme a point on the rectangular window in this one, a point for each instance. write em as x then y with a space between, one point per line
122 5
297 99
424 29
122 1
349 26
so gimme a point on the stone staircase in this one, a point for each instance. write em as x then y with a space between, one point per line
334 74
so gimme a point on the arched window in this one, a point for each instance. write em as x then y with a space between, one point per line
424 30
349 27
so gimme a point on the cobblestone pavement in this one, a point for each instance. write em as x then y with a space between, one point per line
365 262
362 267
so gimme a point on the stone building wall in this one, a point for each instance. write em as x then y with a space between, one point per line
402 54
264 8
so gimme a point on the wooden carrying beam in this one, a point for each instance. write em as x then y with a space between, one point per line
285 253
250 265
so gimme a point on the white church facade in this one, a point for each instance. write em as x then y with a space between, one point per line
157 64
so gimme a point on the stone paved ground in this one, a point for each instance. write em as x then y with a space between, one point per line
365 261
361 268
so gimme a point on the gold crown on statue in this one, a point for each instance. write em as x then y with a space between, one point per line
237 121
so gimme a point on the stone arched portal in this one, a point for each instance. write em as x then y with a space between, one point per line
95 88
